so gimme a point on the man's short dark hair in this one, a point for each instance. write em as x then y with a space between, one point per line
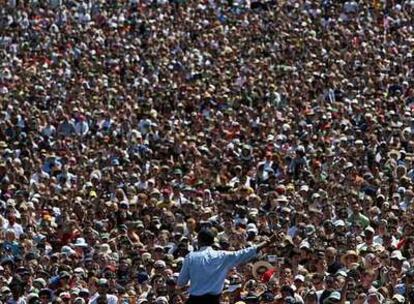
205 237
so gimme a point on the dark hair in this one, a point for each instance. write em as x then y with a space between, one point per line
102 300
205 237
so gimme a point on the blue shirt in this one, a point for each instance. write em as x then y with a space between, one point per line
207 268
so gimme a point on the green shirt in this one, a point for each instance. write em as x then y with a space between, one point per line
360 218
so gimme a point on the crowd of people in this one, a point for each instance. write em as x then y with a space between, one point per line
127 126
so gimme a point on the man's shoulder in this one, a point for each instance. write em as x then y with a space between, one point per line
207 251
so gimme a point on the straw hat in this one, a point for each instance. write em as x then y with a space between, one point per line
349 253
259 268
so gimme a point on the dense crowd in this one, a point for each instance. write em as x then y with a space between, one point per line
127 126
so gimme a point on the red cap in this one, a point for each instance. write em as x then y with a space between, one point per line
267 275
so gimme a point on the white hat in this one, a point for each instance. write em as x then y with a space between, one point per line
300 278
79 270
68 250
41 281
80 242
281 198
396 254
146 256
30 296
161 300
79 300
160 263
370 229
399 298
105 248
251 228
339 223
5 289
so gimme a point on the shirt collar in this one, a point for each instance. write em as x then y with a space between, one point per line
204 248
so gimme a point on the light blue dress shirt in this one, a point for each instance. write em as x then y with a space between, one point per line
207 268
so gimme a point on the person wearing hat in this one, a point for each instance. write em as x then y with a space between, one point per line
349 258
331 257
206 269
102 292
260 268
333 298
368 234
45 296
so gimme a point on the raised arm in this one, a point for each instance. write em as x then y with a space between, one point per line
244 255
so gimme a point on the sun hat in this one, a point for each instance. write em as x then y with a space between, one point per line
259 266
349 253
80 242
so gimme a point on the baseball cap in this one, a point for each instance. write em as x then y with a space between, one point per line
299 277
334 296
161 300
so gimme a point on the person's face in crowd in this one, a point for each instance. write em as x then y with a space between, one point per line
273 285
123 265
340 241
10 236
374 262
11 218
178 299
356 208
103 289
330 255
369 236
382 228
373 299
27 278
162 290
327 211
351 242
102 300
408 230
158 254
298 283
44 298
318 282
285 276
367 278
191 225
396 263
311 298
342 214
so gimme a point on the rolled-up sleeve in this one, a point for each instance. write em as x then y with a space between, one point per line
184 275
241 256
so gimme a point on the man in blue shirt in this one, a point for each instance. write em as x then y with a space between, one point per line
207 268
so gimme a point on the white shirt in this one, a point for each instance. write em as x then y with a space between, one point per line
17 228
207 268
111 299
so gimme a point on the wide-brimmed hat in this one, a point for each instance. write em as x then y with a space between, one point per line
257 274
80 242
349 253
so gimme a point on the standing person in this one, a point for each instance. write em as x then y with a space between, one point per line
102 294
207 268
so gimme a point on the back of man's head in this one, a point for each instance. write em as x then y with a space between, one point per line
205 237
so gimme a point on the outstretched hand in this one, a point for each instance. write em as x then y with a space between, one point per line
268 242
